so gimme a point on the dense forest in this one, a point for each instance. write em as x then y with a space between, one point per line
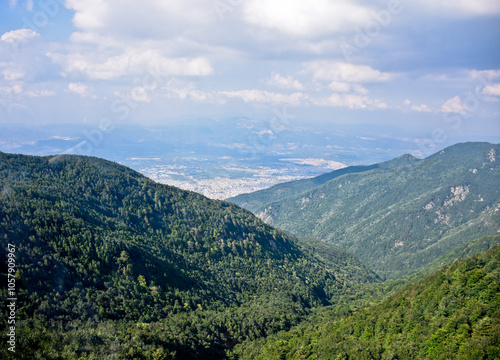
452 314
400 215
256 201
109 262
111 265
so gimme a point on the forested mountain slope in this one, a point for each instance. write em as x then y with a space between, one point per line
452 314
398 219
111 264
255 201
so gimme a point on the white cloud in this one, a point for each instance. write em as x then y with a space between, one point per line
261 96
134 62
11 75
29 5
149 19
17 89
80 89
351 101
493 90
345 72
454 105
339 86
124 38
306 18
421 108
40 93
20 35
342 87
181 90
284 82
489 75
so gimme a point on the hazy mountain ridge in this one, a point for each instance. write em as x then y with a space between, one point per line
257 200
397 219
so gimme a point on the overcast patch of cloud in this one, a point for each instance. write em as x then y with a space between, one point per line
461 7
306 18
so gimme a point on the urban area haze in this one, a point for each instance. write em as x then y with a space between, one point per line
229 96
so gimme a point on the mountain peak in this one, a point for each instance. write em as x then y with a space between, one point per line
401 161
466 148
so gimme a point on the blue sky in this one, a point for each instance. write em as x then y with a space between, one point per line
431 66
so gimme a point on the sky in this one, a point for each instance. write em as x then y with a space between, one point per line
417 65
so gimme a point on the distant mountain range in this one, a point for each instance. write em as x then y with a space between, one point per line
396 216
222 157
255 201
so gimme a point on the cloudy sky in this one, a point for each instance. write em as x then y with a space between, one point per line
413 64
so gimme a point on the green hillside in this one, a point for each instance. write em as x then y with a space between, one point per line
471 248
256 200
452 314
110 264
397 219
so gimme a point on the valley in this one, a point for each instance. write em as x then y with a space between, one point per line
111 264
396 216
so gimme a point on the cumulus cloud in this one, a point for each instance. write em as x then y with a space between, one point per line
352 101
343 72
306 18
40 93
12 75
343 87
488 75
150 19
493 90
284 82
133 62
19 36
262 96
182 90
186 90
421 108
454 105
80 89
125 38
